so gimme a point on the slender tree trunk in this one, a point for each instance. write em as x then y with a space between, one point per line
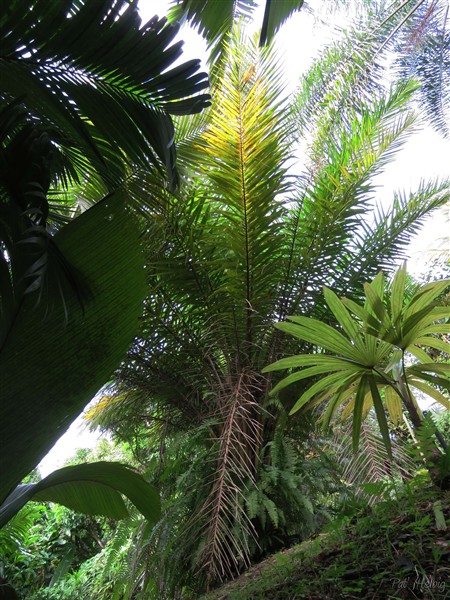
432 457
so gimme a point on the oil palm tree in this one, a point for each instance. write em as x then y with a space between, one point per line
86 100
242 244
423 47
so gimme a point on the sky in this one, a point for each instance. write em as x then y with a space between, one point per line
424 156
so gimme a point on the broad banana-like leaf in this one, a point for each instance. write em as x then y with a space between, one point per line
58 354
93 489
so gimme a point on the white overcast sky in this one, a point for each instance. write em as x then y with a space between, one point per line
425 156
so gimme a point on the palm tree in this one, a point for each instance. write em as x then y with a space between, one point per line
86 100
423 47
365 366
242 244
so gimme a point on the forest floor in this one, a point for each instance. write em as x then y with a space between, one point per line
395 550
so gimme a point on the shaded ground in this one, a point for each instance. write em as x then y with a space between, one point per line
397 550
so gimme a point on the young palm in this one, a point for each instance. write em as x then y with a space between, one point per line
363 364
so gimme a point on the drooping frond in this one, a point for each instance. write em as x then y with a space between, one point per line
226 527
371 463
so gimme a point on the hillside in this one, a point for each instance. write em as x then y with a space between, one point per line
397 549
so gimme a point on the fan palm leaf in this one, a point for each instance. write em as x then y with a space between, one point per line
367 357
119 108
215 20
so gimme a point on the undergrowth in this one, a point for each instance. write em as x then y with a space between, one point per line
395 550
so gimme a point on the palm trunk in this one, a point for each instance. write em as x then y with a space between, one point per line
432 457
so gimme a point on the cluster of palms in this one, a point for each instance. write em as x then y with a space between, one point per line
232 243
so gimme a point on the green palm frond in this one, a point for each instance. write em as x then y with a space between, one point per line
215 20
247 132
336 192
390 232
82 52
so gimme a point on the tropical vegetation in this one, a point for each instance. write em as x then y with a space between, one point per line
74 286
369 358
134 204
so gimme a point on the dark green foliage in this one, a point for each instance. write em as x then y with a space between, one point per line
84 101
119 104
40 545
289 501
68 362
215 20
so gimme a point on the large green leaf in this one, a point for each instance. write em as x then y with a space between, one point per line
94 489
56 356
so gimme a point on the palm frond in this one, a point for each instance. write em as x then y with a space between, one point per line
392 230
215 20
247 135
227 528
337 193
82 52
371 463
423 47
